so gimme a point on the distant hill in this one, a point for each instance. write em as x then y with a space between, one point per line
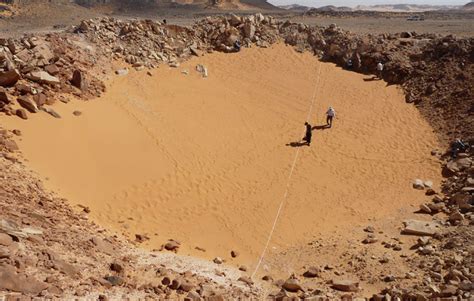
332 8
405 7
150 4
469 6
295 7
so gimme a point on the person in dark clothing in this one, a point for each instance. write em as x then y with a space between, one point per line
349 64
237 46
308 134
458 146
164 21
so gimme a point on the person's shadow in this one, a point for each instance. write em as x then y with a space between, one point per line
297 144
321 127
370 79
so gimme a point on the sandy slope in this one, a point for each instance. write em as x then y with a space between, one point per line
206 161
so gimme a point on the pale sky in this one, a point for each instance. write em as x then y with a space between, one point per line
352 3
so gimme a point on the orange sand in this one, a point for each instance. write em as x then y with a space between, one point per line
205 160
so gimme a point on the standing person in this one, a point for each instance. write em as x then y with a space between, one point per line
237 46
330 114
379 70
308 134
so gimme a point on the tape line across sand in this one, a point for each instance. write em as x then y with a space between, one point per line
269 238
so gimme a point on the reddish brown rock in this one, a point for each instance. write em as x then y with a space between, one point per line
4 98
39 99
26 102
9 280
79 80
345 285
9 78
21 113
52 69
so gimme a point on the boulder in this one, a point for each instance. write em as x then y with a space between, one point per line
26 102
234 20
9 280
5 239
4 96
40 99
43 52
79 80
345 285
21 113
416 227
249 31
43 77
9 78
52 69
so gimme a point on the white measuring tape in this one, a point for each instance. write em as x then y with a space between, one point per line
287 182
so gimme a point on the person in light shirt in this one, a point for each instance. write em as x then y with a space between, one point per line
379 69
330 114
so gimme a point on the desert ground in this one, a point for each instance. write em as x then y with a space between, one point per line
213 162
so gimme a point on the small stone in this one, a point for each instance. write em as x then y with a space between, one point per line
141 238
166 281
369 229
175 284
418 184
234 254
267 278
370 240
425 209
121 72
246 280
389 278
77 113
50 111
16 132
114 280
312 272
116 267
218 260
186 286
172 245
292 285
174 64
243 268
345 285
52 69
456 216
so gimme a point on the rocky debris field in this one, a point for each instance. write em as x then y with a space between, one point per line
48 249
